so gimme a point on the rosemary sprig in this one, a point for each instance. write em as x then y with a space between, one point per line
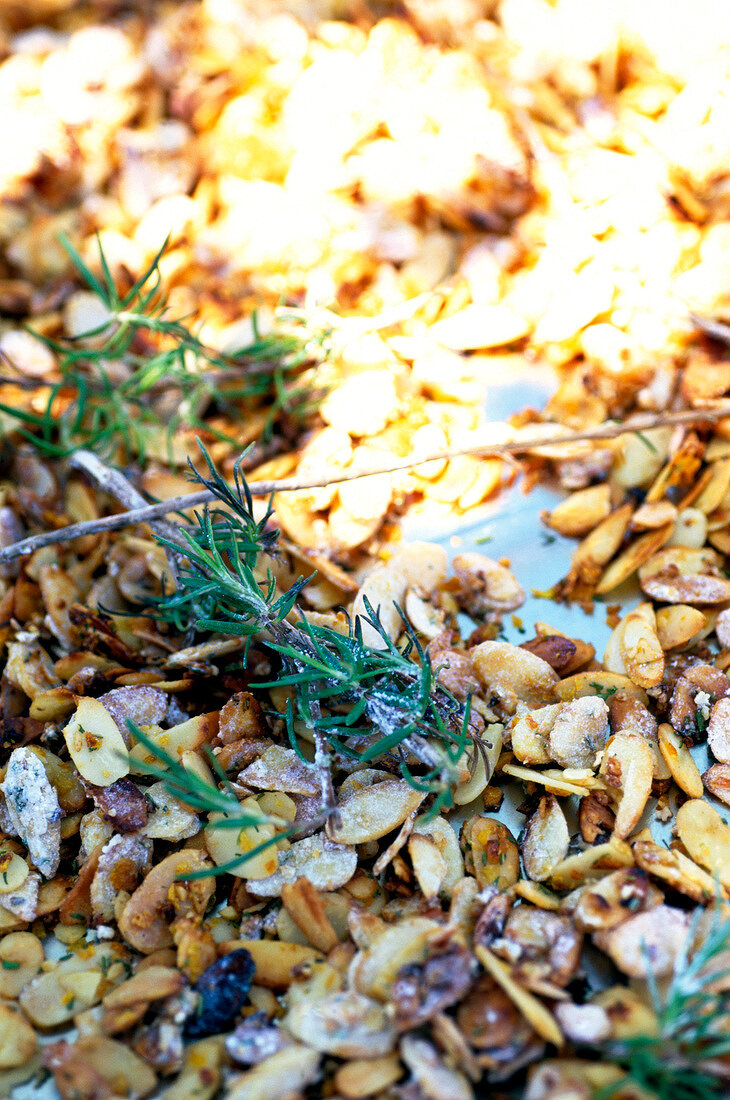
203 797
141 375
364 702
682 1060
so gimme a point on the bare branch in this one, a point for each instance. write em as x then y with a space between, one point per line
526 445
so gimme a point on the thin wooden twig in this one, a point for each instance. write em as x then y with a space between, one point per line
150 512
114 483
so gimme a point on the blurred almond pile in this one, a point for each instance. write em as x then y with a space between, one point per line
553 178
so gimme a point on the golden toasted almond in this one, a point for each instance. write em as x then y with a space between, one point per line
490 852
17 1038
641 650
276 961
715 488
227 845
605 903
437 861
279 1076
371 813
599 547
678 624
690 529
598 682
102 1064
364 1077
307 910
545 840
530 733
718 731
53 997
21 957
628 765
153 983
392 947
580 512
649 516
485 585
717 781
145 920
418 563
649 942
674 868
679 761
530 1007
200 1076
632 559
513 675
574 870
13 871
684 575
187 736
706 837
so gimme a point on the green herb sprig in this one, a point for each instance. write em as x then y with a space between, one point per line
362 701
140 376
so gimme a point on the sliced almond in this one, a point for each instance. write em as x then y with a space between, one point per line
531 1008
371 813
580 512
95 744
676 625
706 837
306 908
681 575
632 558
545 840
679 761
641 650
628 765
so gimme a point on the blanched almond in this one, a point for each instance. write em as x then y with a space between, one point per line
17 1038
679 761
706 837
513 674
718 731
641 650
24 952
95 744
580 512
13 871
682 575
676 625
374 811
439 859
628 765
227 844
545 840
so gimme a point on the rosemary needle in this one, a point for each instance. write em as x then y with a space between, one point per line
363 702
132 382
